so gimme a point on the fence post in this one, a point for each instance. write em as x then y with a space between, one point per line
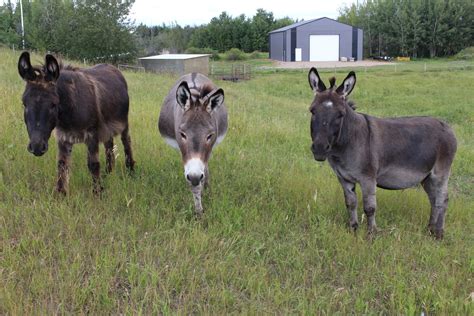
425 67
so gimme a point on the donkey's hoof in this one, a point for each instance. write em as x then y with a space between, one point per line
354 226
61 191
437 233
373 230
98 190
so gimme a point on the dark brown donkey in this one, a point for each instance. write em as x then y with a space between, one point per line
392 153
193 119
84 105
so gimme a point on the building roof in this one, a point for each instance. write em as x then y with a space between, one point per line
175 56
297 24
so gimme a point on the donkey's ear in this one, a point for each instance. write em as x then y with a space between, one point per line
216 98
347 85
25 69
315 81
183 95
51 68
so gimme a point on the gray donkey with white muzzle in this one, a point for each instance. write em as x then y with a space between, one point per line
391 153
193 119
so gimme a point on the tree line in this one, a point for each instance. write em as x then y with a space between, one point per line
221 34
83 29
102 30
416 28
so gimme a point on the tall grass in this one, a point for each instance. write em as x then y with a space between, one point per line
274 236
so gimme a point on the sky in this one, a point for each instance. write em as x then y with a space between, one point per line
197 12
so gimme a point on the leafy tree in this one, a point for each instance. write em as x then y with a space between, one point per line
419 28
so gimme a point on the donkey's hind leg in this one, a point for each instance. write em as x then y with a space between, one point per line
127 144
93 163
109 155
436 186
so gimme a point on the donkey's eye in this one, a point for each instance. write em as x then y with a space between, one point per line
183 135
209 137
52 106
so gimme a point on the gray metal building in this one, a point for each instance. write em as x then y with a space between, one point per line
177 63
321 39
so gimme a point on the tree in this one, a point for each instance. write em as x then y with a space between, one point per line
262 24
427 28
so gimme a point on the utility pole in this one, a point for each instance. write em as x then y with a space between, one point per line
22 25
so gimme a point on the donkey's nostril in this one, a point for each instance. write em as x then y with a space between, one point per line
30 148
195 179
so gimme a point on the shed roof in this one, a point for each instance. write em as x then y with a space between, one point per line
175 56
297 24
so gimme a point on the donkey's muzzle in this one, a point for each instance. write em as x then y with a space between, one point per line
195 179
38 148
194 171
320 152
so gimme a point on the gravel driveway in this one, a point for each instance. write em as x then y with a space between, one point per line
329 64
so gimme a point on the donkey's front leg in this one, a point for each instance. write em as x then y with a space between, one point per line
206 178
350 197
370 203
197 192
64 158
93 162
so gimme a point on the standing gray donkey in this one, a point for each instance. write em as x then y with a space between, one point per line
193 119
392 153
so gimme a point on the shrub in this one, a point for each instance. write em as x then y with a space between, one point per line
235 54
465 54
258 55
206 50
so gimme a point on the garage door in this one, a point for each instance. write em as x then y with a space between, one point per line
324 47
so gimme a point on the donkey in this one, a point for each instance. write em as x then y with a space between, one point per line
193 119
391 153
83 105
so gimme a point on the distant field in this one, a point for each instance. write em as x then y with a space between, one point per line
274 237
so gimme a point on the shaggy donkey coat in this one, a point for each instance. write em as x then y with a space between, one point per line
84 106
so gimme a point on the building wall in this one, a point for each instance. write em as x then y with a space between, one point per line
360 45
200 65
281 48
177 66
276 46
325 27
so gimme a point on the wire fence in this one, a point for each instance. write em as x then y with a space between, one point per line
231 72
395 67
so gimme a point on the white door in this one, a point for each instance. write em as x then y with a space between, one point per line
324 47
297 54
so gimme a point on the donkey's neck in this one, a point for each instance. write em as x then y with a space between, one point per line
353 131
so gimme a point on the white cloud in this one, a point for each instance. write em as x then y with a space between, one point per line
193 12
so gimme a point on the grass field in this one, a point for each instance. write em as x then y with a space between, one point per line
274 237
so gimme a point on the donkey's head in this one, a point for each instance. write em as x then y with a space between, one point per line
198 129
328 110
40 100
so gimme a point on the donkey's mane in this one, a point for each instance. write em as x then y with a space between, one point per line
332 81
68 67
352 104
205 90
